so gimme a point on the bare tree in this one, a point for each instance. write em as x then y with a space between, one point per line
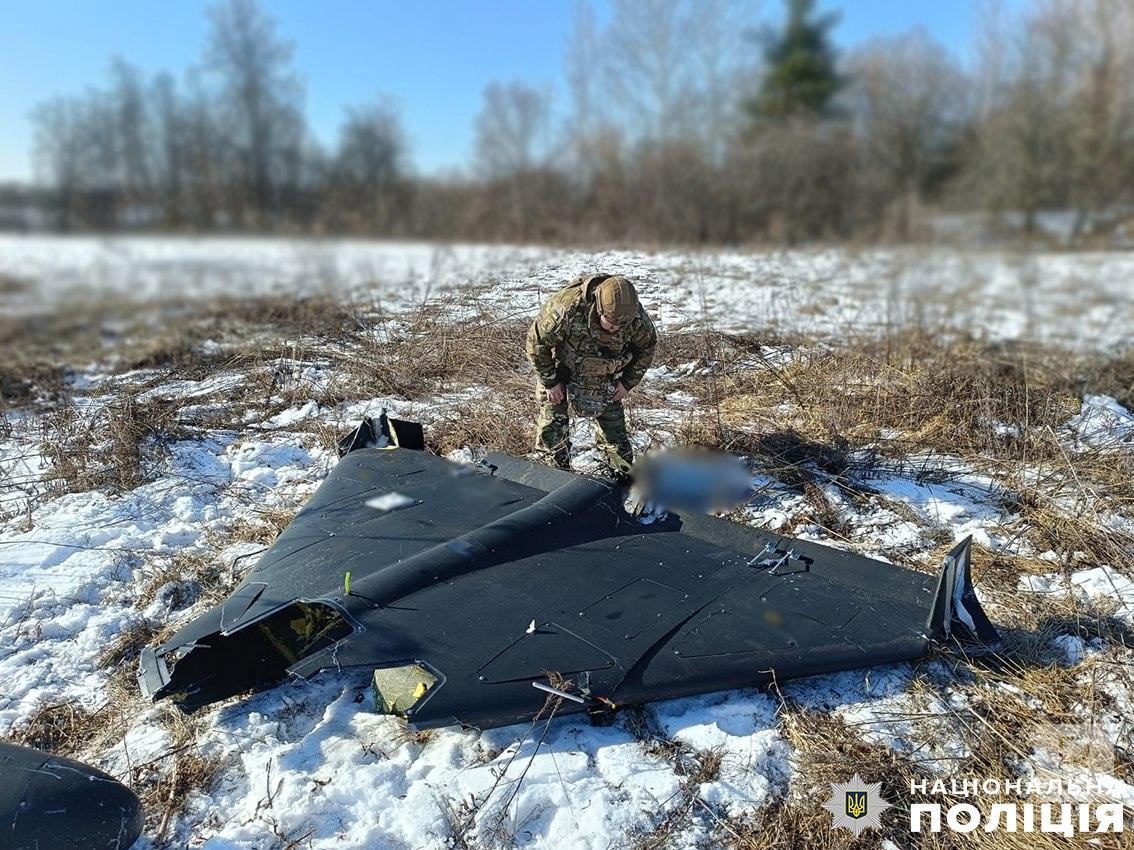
909 99
659 148
262 95
718 36
649 66
102 174
132 129
1057 110
170 143
512 129
583 68
655 97
1022 160
512 155
369 168
59 153
1100 102
205 157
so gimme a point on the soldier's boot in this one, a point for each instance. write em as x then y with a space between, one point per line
612 438
553 432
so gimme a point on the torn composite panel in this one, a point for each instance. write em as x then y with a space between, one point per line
491 579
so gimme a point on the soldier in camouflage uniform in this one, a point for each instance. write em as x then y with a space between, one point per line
590 345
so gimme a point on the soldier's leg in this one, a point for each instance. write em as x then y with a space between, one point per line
553 431
610 434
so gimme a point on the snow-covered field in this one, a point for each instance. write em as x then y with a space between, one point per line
1072 299
307 764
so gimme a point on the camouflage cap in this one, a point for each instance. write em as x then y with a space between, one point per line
617 300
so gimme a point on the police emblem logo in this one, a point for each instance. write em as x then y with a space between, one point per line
856 805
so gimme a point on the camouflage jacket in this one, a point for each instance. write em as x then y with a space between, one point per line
566 343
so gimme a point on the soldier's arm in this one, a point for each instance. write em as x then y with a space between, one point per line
544 335
643 341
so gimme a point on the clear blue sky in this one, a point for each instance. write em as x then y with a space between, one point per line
433 56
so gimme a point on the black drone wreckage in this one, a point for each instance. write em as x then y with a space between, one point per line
472 591
48 802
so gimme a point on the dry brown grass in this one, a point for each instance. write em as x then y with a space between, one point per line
457 341
168 793
827 752
122 652
164 571
262 525
830 414
61 728
199 575
115 449
406 734
166 336
167 784
809 414
911 393
72 729
793 405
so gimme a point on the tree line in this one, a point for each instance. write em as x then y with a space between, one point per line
679 121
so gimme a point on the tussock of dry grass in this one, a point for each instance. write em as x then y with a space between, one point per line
122 652
156 576
117 449
916 395
169 793
56 728
166 785
263 526
72 729
827 752
406 734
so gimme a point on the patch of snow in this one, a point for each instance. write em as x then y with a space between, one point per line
877 705
1071 647
742 727
65 584
1099 584
22 469
346 777
175 390
291 416
1102 423
959 507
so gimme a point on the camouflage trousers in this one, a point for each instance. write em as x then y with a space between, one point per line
553 433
